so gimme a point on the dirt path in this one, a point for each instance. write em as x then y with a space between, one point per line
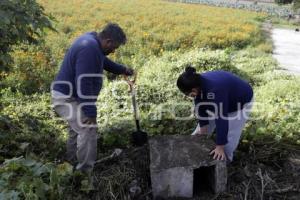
287 49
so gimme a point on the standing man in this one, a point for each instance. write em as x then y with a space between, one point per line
77 86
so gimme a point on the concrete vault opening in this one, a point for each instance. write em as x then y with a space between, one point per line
203 180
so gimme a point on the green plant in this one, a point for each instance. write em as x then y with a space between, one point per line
26 178
29 126
27 73
21 21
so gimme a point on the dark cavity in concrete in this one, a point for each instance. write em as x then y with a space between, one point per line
203 182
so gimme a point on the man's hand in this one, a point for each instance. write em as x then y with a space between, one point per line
129 71
218 153
89 120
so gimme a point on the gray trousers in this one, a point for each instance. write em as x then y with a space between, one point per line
82 140
236 124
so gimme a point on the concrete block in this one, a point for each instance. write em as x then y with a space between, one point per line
174 160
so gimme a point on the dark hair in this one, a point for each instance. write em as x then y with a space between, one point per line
188 80
114 32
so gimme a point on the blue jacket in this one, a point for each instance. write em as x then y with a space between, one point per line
85 58
228 93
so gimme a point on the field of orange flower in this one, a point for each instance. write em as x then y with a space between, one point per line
153 27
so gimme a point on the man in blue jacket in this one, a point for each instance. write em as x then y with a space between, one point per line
223 102
77 86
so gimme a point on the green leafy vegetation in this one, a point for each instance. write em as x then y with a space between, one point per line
20 22
33 180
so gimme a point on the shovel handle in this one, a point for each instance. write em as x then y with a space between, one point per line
130 82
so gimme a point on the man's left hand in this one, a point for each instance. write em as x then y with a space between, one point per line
129 71
218 153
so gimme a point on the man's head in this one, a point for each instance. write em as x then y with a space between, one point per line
189 82
111 37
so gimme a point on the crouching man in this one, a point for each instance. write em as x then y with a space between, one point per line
223 101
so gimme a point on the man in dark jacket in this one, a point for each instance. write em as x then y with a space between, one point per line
77 86
223 101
